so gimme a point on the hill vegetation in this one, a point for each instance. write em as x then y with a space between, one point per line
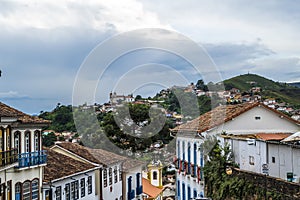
282 92
295 84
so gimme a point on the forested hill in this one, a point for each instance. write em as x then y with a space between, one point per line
295 84
281 91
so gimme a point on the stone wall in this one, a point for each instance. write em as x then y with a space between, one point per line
272 186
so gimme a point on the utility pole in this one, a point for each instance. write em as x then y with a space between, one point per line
0 73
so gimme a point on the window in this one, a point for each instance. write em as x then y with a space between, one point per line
273 159
105 177
18 191
27 141
8 138
120 175
110 175
257 117
8 190
73 190
2 191
90 190
67 188
155 175
178 188
195 160
58 193
77 189
82 187
36 141
251 160
178 148
35 190
17 141
26 190
1 139
183 150
116 174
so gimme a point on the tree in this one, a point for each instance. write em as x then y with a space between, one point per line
49 139
201 86
138 97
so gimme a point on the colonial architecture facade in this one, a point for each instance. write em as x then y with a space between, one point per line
21 156
189 163
114 176
230 120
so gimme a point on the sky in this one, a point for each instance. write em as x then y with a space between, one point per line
46 44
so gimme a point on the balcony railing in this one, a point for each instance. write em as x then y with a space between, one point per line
8 157
32 158
139 190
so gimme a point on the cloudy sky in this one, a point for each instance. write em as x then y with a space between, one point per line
44 43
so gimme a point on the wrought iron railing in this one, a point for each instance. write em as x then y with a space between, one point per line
32 159
8 157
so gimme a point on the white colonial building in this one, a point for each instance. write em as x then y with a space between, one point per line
21 156
67 178
242 119
271 154
116 177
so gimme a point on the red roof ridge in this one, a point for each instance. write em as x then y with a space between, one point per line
222 114
8 111
150 189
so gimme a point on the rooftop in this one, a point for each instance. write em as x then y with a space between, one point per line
273 136
261 136
59 166
150 189
220 115
99 156
7 111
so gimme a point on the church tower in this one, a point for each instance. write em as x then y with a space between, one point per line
155 173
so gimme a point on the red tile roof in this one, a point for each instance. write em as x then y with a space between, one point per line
150 189
7 111
220 115
99 156
59 166
272 136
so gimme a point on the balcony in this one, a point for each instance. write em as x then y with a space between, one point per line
139 190
32 158
8 157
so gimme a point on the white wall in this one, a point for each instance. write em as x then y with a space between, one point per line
69 180
113 191
242 151
133 173
284 161
188 180
246 123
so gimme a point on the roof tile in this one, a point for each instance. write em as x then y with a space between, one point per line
7 111
220 115
150 189
59 166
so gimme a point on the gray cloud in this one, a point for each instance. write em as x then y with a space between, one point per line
44 43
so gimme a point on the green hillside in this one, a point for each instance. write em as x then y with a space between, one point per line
296 84
283 92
